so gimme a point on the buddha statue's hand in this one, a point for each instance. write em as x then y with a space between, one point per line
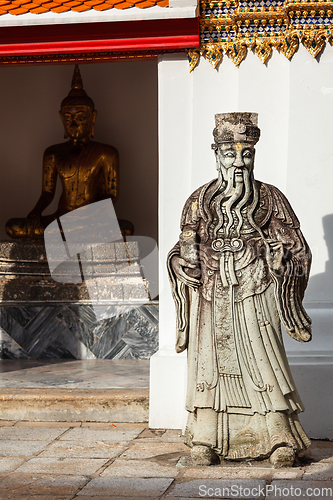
178 264
275 256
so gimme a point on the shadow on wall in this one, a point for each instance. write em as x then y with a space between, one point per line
312 363
320 287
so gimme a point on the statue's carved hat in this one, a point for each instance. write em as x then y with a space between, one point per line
236 127
77 95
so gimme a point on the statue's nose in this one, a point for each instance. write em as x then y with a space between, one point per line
239 162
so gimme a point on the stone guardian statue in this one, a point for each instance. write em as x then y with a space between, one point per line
240 267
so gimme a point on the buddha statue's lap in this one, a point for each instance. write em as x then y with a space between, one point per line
88 170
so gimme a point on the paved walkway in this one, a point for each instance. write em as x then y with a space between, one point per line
65 461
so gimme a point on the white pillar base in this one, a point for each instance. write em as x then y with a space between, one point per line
168 372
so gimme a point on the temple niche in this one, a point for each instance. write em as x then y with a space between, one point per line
127 120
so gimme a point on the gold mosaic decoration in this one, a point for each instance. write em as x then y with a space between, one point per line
234 27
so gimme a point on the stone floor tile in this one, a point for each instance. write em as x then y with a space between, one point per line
222 488
168 436
321 471
125 487
10 496
111 434
41 484
83 449
319 451
116 497
152 433
142 450
118 425
70 466
9 463
287 474
48 424
21 448
7 423
139 468
216 472
309 490
173 435
31 433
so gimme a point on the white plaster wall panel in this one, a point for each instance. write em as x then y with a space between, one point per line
310 157
214 91
264 89
167 369
175 166
286 96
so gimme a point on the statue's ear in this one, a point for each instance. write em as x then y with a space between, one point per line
62 119
93 119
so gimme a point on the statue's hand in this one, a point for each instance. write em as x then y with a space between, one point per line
178 264
274 256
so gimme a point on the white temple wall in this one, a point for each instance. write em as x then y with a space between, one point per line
294 101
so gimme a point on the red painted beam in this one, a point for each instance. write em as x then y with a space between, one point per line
129 36
130 44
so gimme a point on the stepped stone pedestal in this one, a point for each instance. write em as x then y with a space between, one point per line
102 311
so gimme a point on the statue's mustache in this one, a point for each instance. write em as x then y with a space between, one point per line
235 195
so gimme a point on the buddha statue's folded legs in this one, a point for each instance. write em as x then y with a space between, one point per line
28 228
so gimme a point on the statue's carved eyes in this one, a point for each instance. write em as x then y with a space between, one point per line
229 154
247 154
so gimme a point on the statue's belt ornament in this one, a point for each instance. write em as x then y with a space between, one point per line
227 245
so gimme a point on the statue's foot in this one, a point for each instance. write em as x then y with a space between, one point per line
283 457
203 455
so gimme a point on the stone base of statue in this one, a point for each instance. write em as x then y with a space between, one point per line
107 314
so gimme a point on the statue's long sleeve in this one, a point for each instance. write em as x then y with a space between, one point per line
290 287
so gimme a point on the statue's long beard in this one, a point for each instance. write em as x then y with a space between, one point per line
241 194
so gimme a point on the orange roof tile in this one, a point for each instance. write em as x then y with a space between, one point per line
18 7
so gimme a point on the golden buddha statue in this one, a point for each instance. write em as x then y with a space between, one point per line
88 170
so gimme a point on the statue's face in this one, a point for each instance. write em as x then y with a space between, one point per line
78 121
238 156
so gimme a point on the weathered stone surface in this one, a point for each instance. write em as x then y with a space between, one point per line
140 449
25 275
46 434
216 472
83 449
139 468
288 474
111 434
106 405
41 484
21 448
70 466
322 471
200 488
320 451
8 462
242 252
311 490
126 487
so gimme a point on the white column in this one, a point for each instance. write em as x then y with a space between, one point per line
294 101
168 369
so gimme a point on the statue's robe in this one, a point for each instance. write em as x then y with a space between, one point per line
241 397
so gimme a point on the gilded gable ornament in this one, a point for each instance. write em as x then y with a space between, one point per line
234 27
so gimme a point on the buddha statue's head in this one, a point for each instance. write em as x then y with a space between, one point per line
77 112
